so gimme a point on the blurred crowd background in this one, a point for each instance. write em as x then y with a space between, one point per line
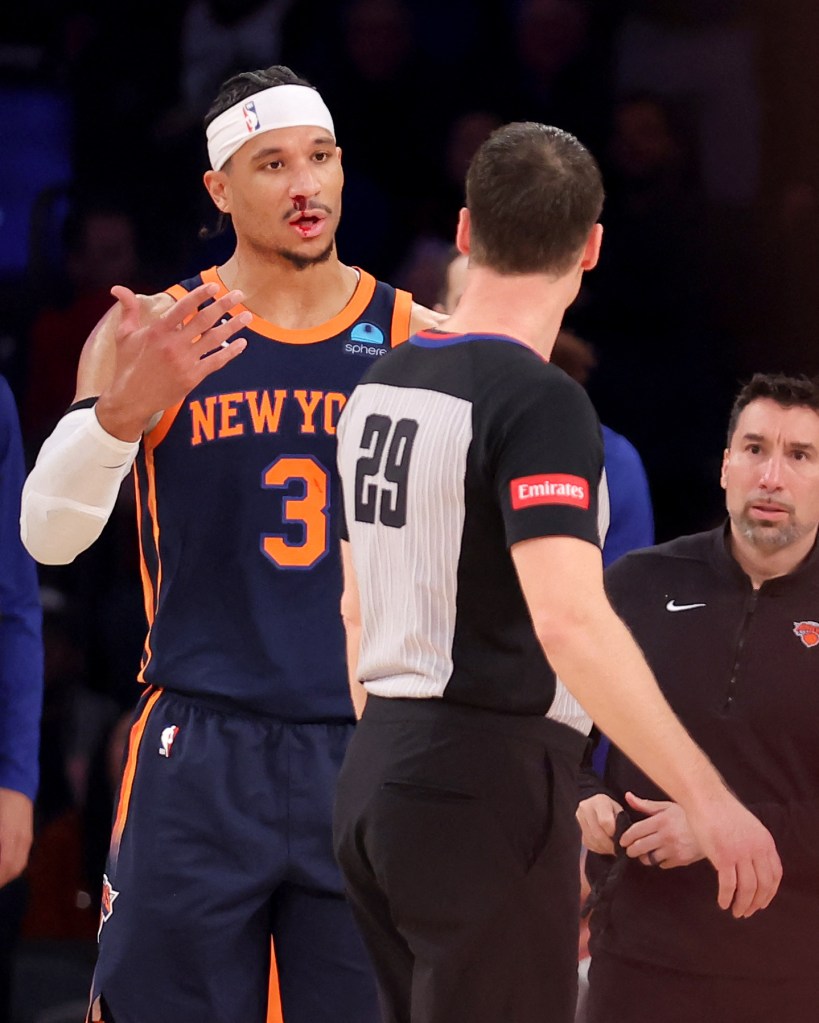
704 115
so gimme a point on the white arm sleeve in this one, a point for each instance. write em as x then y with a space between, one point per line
70 493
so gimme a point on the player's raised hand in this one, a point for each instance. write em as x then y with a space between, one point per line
742 852
161 358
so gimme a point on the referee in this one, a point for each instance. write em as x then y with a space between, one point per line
470 470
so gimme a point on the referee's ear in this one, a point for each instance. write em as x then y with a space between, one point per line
463 232
591 252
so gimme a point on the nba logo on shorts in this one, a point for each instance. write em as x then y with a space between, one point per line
167 738
251 117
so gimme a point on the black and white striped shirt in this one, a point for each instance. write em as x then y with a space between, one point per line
452 449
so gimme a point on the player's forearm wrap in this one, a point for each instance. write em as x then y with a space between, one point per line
70 493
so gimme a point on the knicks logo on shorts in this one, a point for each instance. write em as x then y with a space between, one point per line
557 488
109 896
808 632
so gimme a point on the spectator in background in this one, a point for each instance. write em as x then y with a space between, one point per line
649 311
701 53
631 524
427 260
377 77
21 691
631 519
558 69
101 249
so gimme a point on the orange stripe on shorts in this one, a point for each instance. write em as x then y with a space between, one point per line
134 742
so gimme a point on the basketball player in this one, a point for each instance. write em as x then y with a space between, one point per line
470 469
225 393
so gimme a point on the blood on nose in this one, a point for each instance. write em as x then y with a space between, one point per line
300 203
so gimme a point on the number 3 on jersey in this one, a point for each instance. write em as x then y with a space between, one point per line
381 479
307 509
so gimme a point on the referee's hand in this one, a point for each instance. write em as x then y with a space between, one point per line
742 852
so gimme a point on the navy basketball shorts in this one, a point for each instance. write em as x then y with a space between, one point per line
456 834
222 839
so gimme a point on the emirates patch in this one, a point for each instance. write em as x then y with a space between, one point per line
808 632
557 488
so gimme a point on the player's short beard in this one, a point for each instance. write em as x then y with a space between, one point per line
296 259
300 262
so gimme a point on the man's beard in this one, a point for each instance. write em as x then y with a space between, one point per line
296 259
767 533
301 262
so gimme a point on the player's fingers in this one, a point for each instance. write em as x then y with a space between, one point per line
188 306
221 357
215 336
129 306
727 885
213 315
124 296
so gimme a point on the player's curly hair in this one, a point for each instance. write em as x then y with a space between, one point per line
248 83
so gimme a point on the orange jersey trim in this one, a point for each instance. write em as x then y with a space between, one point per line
152 512
401 316
351 312
147 586
160 431
126 788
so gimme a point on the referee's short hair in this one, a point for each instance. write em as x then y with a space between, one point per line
787 391
534 193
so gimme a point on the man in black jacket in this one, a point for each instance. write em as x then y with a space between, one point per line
728 622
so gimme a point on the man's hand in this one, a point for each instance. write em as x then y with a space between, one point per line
597 817
742 852
16 833
664 839
159 362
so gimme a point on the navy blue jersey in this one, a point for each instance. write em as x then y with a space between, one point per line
237 495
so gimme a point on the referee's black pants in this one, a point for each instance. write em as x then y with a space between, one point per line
456 835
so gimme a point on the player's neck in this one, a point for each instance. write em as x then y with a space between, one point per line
529 308
282 294
762 563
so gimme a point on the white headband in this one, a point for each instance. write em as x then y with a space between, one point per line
281 106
